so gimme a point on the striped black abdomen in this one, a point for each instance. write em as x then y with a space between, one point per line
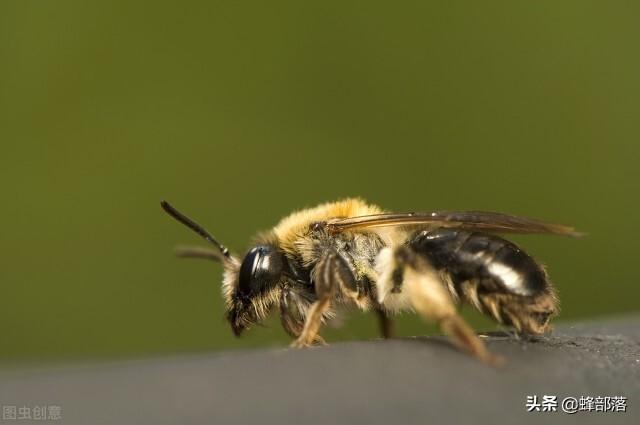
499 265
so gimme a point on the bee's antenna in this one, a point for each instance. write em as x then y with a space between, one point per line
169 209
198 252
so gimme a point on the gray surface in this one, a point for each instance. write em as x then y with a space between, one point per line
406 381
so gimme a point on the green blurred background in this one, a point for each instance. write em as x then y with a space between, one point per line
240 112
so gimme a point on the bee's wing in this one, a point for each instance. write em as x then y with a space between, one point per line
490 222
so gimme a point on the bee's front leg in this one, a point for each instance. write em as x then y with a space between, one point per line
330 273
291 318
309 333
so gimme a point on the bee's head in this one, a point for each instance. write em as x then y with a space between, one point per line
250 288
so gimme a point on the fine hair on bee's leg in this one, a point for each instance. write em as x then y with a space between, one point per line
290 315
528 314
428 295
329 275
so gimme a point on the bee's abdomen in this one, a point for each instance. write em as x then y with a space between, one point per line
495 262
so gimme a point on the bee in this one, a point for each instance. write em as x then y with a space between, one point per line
351 253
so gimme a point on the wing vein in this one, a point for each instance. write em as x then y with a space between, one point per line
469 220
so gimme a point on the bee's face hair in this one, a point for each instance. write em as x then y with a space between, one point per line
250 288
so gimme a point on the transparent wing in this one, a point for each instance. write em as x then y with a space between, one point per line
490 222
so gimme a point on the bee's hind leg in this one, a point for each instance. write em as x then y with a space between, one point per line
429 297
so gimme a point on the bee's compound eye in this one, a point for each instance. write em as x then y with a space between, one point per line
261 268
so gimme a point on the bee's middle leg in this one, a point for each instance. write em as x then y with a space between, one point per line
386 323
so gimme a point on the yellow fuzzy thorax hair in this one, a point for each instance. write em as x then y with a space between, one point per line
294 226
